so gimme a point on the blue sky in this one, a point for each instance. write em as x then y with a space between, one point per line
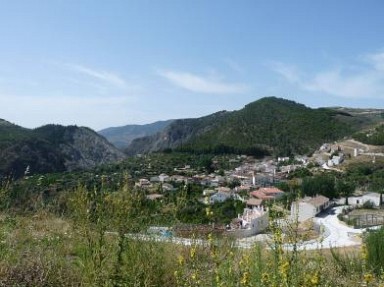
110 63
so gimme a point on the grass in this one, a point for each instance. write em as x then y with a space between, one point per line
45 249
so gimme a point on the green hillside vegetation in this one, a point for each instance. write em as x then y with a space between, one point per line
10 133
51 148
177 134
121 137
87 236
268 126
279 126
373 137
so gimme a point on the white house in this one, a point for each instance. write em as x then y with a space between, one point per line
164 177
251 222
154 179
254 202
309 207
219 197
143 183
373 197
168 187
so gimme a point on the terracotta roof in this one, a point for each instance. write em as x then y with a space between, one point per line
266 192
270 190
254 201
261 195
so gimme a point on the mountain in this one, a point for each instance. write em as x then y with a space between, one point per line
267 126
52 148
178 132
121 137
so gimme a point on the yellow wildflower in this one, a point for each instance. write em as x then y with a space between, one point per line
368 277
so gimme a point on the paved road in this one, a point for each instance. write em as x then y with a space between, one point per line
335 234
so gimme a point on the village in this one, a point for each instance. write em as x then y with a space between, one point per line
254 183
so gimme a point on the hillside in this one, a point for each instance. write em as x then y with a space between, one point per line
178 133
121 137
52 148
374 136
267 126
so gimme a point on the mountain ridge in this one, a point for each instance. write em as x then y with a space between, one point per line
52 148
269 125
122 136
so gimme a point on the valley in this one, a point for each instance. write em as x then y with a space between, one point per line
94 203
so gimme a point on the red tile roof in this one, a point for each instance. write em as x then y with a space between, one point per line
267 192
254 202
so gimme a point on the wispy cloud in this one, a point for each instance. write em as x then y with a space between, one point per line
235 66
201 84
289 72
106 77
376 59
365 80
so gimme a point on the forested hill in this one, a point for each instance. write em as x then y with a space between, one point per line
178 134
267 126
122 136
52 148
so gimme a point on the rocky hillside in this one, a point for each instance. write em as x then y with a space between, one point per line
52 148
121 137
267 126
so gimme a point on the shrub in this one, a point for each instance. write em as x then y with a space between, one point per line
375 250
368 205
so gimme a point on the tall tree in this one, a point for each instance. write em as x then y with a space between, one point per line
345 188
377 185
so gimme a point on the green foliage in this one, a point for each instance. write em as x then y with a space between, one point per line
51 148
98 246
323 184
373 137
375 250
267 126
344 188
366 175
224 212
300 173
368 205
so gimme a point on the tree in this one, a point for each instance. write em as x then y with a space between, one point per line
377 185
345 188
320 184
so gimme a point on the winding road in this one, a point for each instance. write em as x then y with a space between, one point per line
335 234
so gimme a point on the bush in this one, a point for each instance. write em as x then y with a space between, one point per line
368 205
375 250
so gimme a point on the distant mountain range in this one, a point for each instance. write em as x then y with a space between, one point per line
268 126
122 137
52 148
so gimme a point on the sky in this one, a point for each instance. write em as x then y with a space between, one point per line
111 63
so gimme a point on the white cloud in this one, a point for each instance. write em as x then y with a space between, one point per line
289 72
363 81
377 60
106 77
200 84
333 82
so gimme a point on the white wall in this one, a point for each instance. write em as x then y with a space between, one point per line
302 211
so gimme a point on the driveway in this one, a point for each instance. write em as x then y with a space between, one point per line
334 234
